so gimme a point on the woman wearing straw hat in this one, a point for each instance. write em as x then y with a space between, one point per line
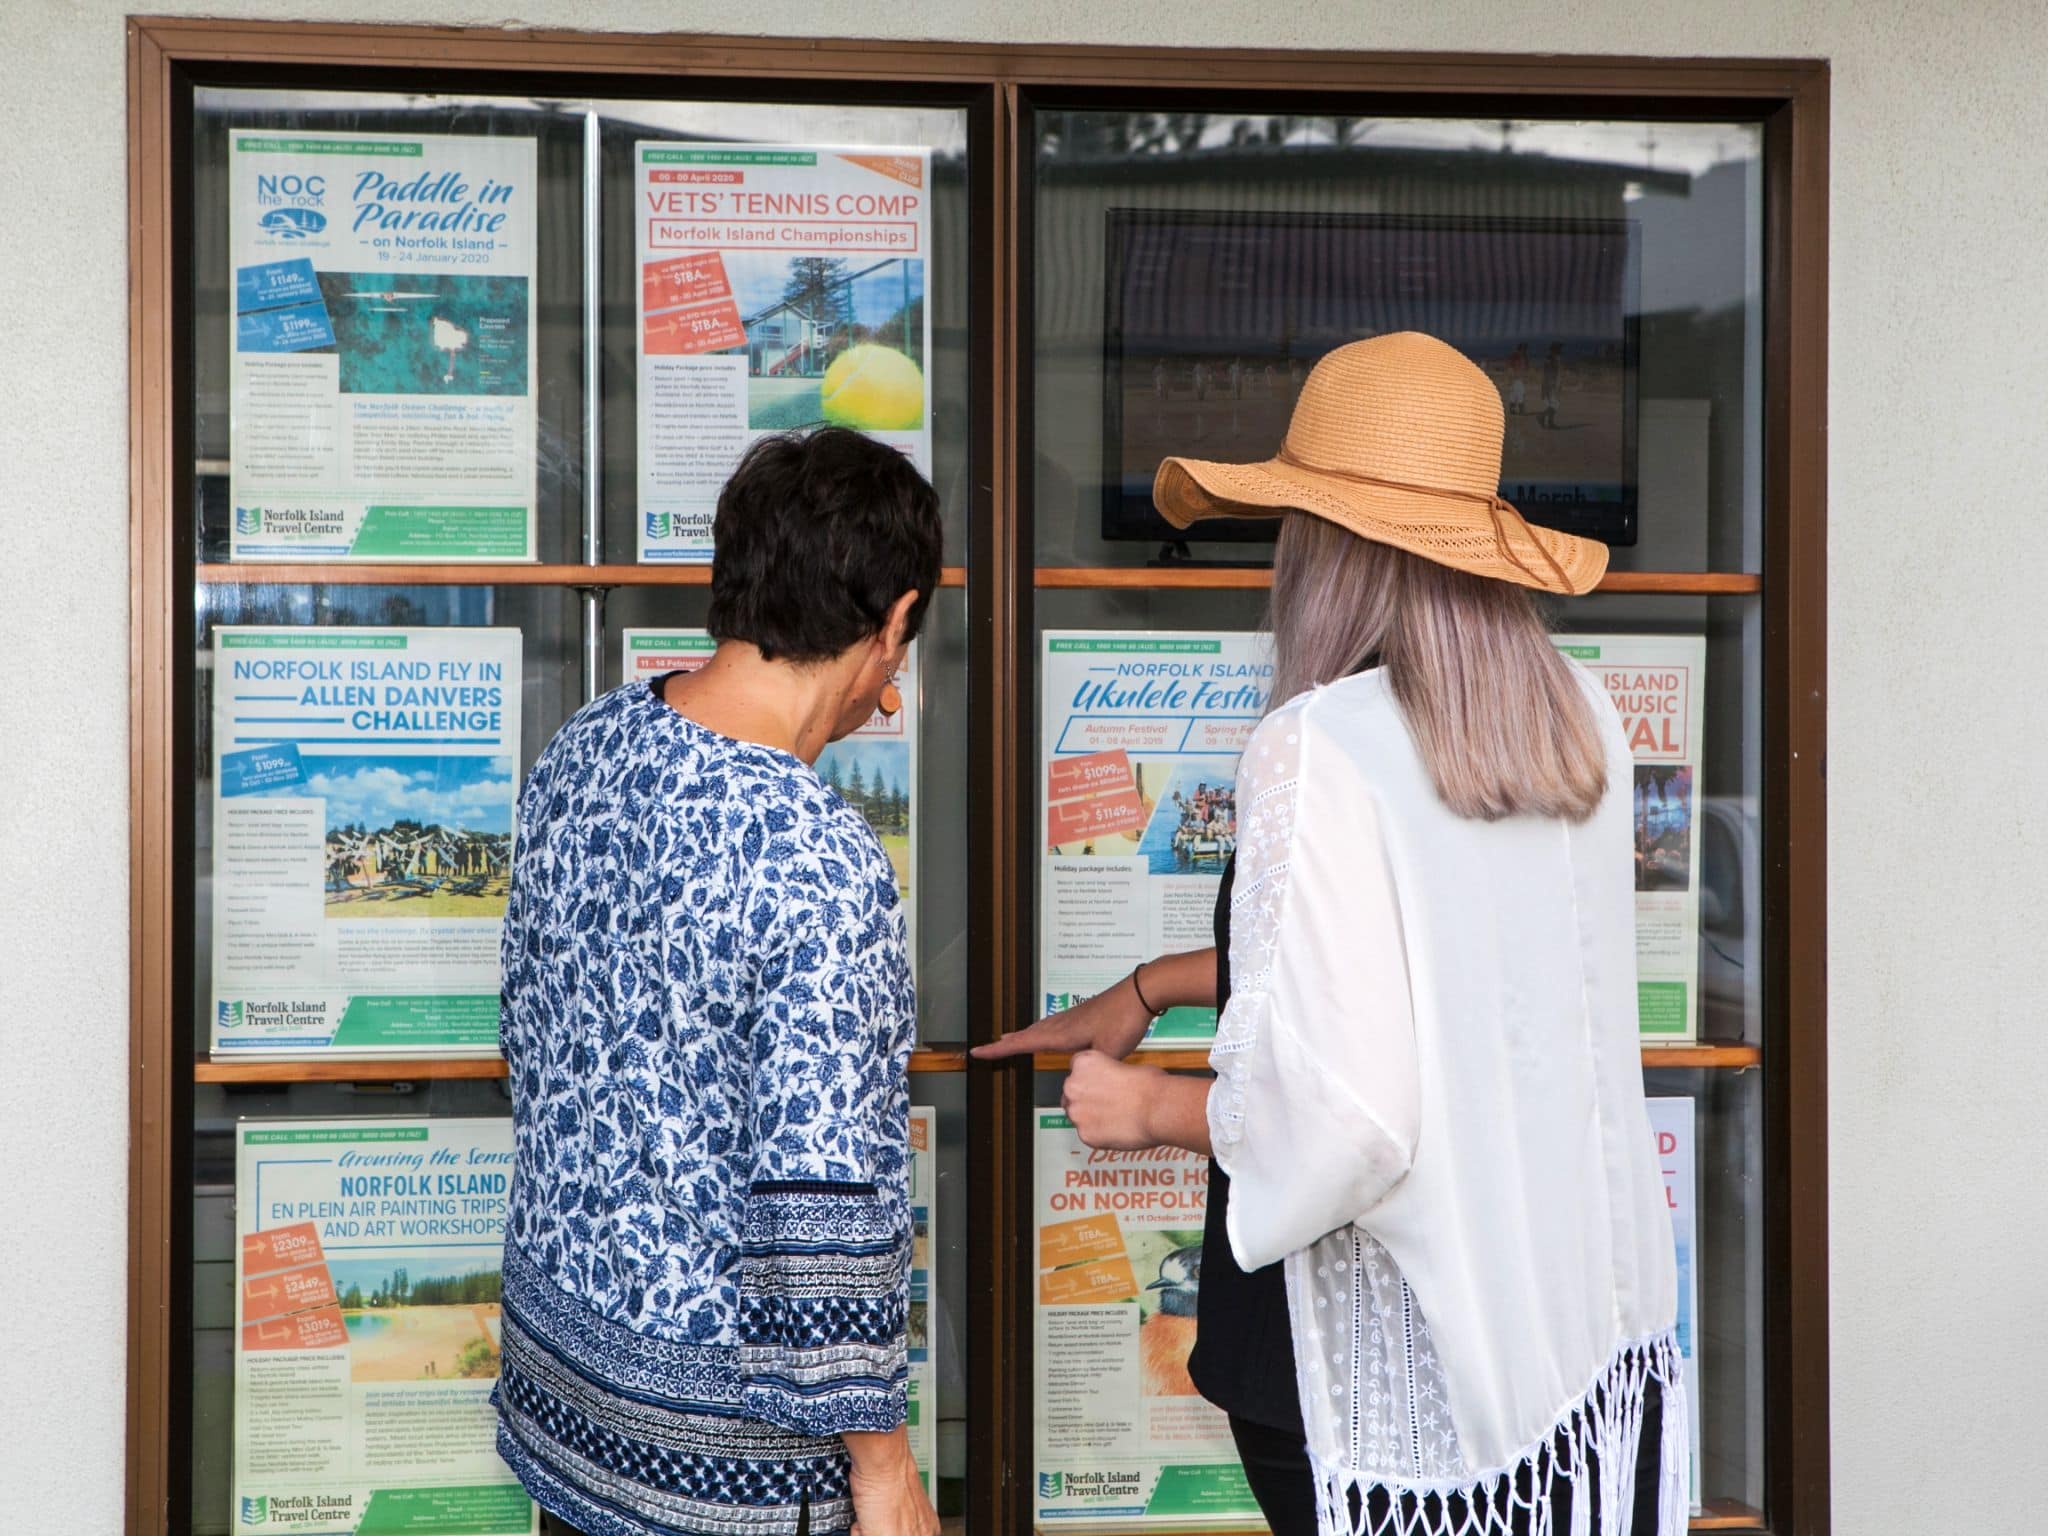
1438 1290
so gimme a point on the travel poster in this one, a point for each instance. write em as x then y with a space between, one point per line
1124 1440
364 784
1140 732
1672 1124
367 1328
781 287
1657 682
874 770
382 388
924 1387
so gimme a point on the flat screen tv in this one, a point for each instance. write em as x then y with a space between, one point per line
1214 319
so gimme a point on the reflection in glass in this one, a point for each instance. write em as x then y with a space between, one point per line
553 352
544 617
1190 268
948 1321
1729 828
825 299
1727 1258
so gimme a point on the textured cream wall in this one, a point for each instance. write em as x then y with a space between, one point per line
1938 463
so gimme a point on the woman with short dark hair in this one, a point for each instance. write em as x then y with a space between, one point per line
707 1019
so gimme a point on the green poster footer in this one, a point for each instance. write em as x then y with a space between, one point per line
468 1019
482 1509
1660 1007
1183 1026
422 533
1216 1492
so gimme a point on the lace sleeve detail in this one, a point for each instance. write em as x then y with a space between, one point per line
1315 1114
1266 783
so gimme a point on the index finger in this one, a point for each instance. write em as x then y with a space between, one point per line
1017 1042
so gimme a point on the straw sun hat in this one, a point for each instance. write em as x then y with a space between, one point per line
1398 439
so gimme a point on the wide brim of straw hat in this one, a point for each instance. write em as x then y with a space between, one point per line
1465 532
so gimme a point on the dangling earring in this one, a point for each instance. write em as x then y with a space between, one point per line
891 701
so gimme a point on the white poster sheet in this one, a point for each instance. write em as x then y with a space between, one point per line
364 788
1124 1440
367 1294
1140 732
782 287
924 1382
382 377
1672 1125
1658 683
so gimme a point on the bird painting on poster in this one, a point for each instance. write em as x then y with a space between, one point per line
1167 1334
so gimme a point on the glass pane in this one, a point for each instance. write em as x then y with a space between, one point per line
458 375
448 362
383 798
1191 266
219 1109
1122 1438
1145 700
1686 673
800 312
1725 1296
1718 924
948 1320
1705 938
373 799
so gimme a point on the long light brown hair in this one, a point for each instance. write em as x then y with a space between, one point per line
1501 721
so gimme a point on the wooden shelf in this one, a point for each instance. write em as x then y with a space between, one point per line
1719 1054
1694 583
1156 577
1239 578
430 1068
1727 1515
278 573
1731 1054
1047 577
1171 1061
1706 1054
326 1070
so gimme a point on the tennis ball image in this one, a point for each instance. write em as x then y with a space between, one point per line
874 388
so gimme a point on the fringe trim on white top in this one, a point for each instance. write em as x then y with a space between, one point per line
1594 1445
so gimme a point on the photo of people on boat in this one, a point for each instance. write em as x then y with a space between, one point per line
1205 834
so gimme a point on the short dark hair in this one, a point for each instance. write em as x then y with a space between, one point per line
817 533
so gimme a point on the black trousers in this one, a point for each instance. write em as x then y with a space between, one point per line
1276 1466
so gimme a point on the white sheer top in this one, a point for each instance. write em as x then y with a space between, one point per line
1429 1102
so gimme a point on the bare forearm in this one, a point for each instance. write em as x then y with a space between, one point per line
1177 1113
888 1497
1185 980
878 1452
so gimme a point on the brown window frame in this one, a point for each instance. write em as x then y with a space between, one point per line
999 85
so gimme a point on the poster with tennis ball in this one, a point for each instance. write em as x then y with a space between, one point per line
782 288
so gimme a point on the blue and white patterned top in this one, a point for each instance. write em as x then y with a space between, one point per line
707 1019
